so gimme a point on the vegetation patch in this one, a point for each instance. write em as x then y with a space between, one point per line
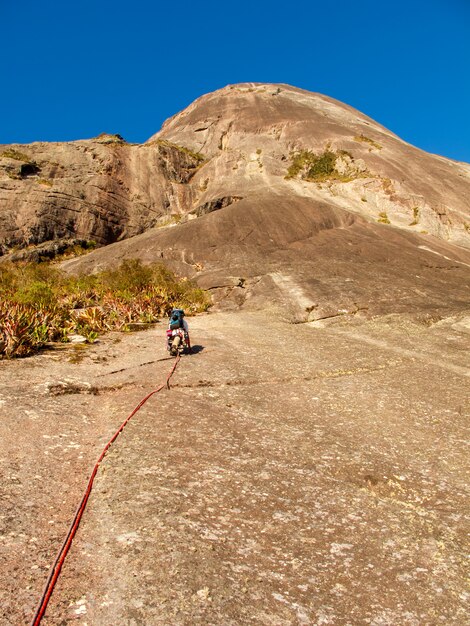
59 249
325 166
415 216
39 303
163 142
387 186
110 138
363 139
169 220
383 218
16 155
76 248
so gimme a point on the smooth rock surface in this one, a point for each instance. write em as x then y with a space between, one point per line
294 474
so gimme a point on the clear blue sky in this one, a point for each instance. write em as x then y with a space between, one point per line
73 69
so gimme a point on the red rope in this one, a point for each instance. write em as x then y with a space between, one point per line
57 566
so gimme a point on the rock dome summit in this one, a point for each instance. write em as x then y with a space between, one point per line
261 193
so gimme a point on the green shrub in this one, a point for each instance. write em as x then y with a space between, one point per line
8 278
317 167
131 276
300 161
324 165
35 293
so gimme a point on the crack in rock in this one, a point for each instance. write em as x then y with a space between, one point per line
285 380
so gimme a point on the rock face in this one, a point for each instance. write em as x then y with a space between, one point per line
262 193
271 485
102 189
249 132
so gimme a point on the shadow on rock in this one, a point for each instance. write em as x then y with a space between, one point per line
196 349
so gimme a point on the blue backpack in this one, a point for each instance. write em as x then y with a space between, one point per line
176 319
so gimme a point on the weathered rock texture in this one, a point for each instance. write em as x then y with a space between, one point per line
230 192
102 189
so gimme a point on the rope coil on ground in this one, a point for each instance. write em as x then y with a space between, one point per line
57 566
